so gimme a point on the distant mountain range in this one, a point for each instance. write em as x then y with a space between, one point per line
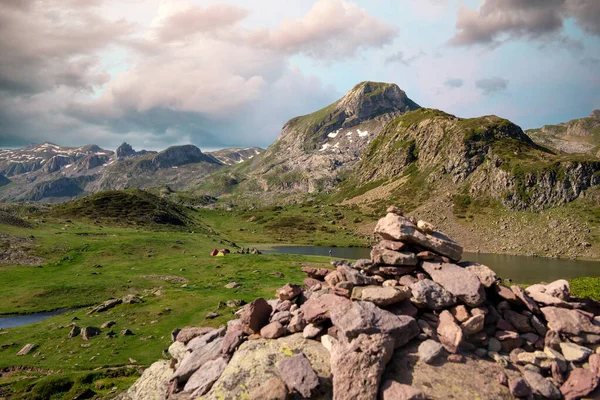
576 136
53 173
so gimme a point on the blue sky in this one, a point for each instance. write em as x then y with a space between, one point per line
219 73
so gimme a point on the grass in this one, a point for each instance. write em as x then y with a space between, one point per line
91 257
586 287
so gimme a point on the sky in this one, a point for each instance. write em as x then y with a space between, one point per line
230 73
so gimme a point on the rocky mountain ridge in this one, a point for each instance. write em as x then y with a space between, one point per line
53 173
580 135
236 155
314 150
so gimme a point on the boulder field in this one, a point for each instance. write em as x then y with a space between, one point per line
412 322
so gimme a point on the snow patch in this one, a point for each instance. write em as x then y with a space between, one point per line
337 145
362 133
324 147
333 134
349 133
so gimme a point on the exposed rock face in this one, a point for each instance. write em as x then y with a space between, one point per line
153 383
235 156
428 293
255 316
255 362
313 150
298 374
52 173
449 332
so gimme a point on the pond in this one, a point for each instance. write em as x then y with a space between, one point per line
521 269
11 321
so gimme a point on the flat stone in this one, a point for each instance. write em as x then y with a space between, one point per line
202 380
557 357
461 283
473 325
537 358
273 330
505 293
317 310
429 350
385 296
537 293
298 374
328 341
232 340
486 275
399 228
311 331
574 352
357 366
312 283
394 271
568 321
200 341
28 348
432 295
539 327
541 385
580 383
177 350
392 390
361 317
382 256
189 332
449 332
407 280
283 317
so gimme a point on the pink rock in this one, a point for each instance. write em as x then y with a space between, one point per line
298 374
505 293
333 278
190 332
407 280
317 273
272 389
449 332
312 283
396 271
392 390
580 383
594 361
486 275
289 292
255 316
273 331
317 310
520 322
461 313
463 284
362 317
357 366
232 340
456 358
502 378
382 256
392 245
518 387
524 297
568 321
405 307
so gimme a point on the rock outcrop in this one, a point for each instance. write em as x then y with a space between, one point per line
364 336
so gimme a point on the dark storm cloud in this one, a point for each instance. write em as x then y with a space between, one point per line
498 20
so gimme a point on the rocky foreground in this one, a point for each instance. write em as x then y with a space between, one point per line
412 314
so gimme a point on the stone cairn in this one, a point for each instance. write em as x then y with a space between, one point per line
412 288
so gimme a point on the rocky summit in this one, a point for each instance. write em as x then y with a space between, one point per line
412 322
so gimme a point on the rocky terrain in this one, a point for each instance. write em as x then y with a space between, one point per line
576 136
236 155
52 173
411 322
313 150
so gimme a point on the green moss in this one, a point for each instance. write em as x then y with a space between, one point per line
585 287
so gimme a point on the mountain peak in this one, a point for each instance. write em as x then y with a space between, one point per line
369 99
125 150
595 114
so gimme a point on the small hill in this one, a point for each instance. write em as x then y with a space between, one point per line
4 180
124 207
576 136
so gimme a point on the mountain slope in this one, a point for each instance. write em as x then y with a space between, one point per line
53 173
576 136
314 150
234 156
488 157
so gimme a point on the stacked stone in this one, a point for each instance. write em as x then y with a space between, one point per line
346 322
